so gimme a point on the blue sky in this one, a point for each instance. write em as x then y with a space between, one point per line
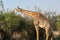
45 5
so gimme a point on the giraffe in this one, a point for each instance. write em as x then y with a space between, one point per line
39 21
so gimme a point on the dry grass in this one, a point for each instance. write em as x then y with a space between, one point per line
56 35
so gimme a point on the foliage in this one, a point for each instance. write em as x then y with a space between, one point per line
58 22
10 22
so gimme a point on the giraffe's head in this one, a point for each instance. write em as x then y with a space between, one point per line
18 9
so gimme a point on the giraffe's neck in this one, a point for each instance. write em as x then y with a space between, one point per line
29 13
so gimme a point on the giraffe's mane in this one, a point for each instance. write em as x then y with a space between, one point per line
28 10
